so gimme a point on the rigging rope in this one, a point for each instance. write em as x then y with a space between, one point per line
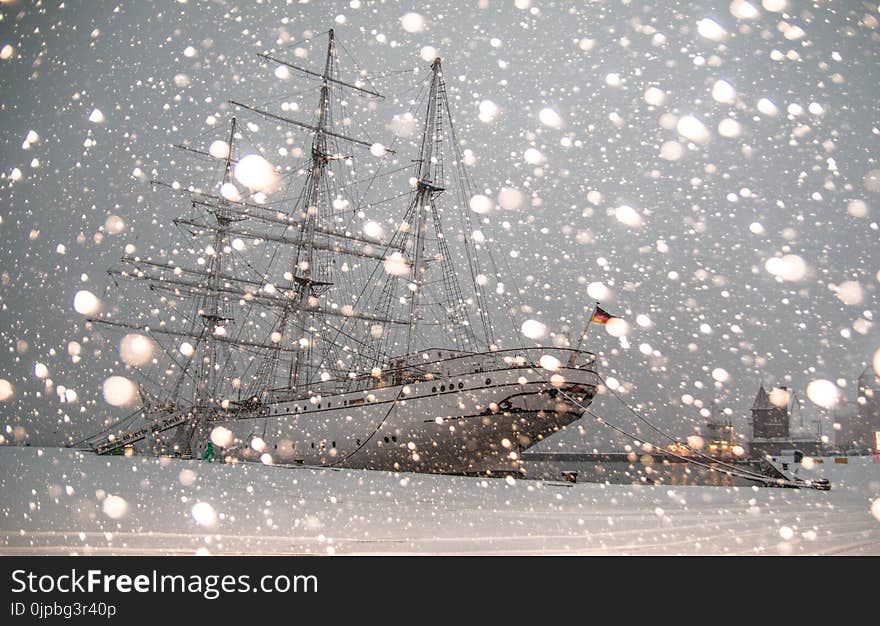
663 433
305 40
746 474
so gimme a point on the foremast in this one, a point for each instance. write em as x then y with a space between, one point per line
422 238
429 183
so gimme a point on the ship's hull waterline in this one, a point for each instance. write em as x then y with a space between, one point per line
471 422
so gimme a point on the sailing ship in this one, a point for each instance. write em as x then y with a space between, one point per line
303 335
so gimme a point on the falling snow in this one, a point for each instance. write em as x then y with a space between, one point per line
706 173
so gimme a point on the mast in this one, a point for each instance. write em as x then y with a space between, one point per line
426 188
197 300
305 258
227 170
307 280
310 238
423 212
205 400
212 317
428 292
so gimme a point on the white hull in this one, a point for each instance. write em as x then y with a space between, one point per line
472 417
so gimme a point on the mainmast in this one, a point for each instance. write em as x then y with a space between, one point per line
309 269
223 279
303 268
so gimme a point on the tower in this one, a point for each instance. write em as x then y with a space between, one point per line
868 422
768 419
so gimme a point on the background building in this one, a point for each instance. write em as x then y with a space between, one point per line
771 426
861 428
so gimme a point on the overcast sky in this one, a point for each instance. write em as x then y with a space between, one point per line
687 146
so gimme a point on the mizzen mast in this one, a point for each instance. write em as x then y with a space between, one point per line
214 318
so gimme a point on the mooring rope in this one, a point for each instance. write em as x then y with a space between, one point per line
733 471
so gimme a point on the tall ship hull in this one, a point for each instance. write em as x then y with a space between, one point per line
473 416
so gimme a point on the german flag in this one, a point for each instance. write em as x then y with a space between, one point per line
600 316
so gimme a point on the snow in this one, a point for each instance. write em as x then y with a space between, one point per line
707 171
86 303
120 391
136 349
256 173
533 329
6 390
824 393
60 501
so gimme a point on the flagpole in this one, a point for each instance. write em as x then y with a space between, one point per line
573 358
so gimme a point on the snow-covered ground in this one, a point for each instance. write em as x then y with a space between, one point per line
57 501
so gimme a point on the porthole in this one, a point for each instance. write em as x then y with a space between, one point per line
433 389
488 381
393 438
387 440
461 385
442 387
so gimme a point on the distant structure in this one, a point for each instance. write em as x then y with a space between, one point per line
769 420
721 438
846 425
859 432
771 429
